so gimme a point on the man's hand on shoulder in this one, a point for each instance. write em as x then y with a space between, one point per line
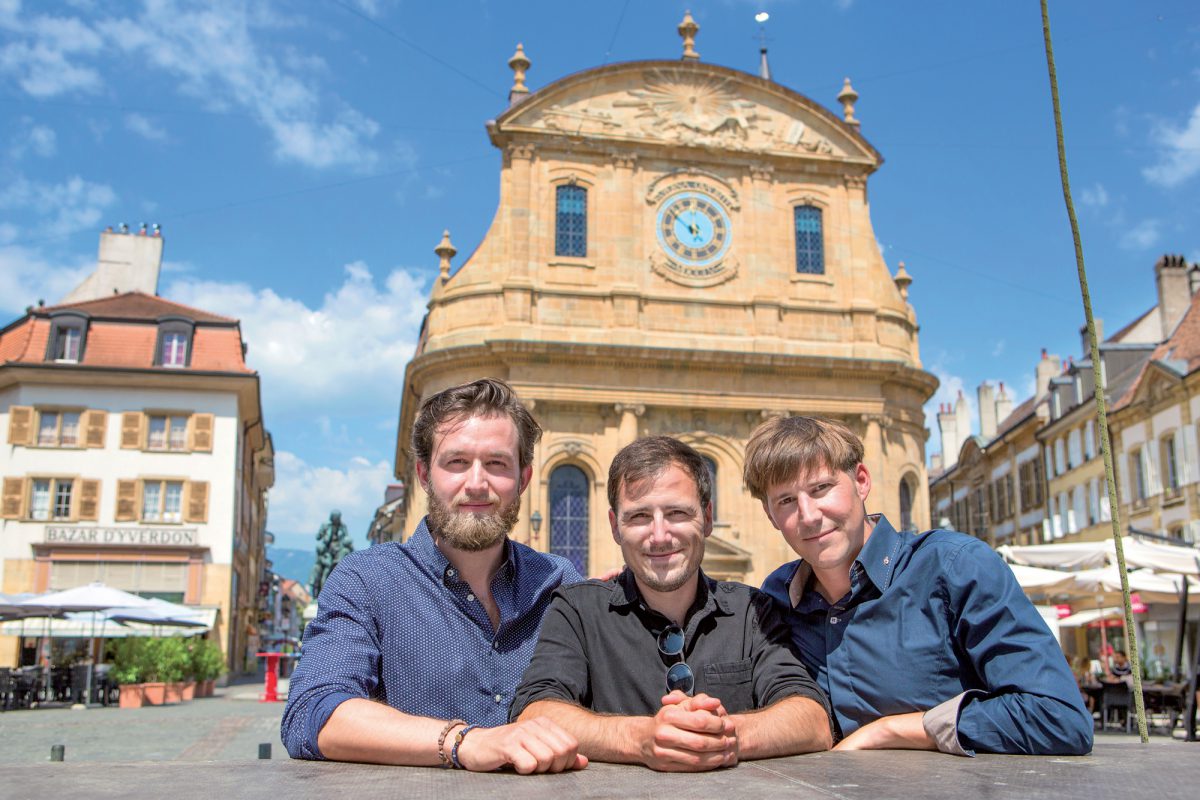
689 734
896 732
533 745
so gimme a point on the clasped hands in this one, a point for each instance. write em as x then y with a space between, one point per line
689 734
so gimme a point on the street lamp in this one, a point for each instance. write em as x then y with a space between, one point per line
535 520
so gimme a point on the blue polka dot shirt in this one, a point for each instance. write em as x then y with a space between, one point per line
397 624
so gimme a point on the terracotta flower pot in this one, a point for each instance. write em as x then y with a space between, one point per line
209 686
189 690
132 695
174 692
155 693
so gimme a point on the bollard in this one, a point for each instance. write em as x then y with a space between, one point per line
57 752
264 750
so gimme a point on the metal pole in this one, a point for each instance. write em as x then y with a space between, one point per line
1177 665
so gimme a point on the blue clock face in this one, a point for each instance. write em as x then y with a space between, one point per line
694 229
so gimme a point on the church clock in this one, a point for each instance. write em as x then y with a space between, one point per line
695 233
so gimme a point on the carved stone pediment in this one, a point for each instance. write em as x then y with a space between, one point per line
685 104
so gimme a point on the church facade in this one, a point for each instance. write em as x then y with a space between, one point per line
680 248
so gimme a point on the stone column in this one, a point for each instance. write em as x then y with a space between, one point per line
627 429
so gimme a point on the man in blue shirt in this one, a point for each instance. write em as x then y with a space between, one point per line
920 641
417 648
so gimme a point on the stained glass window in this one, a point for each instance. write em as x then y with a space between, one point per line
810 243
570 221
569 515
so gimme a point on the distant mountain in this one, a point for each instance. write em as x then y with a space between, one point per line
292 563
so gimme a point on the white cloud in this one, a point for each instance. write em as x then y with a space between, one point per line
212 51
1180 159
304 494
1142 236
38 140
70 206
1095 196
145 127
998 348
26 277
352 348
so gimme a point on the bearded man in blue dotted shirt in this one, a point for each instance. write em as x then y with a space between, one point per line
920 641
417 648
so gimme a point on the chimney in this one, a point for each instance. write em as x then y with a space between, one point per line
987 411
1174 291
1004 406
962 418
948 428
127 262
1048 367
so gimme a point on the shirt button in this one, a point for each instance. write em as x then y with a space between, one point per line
496 644
498 698
471 598
833 620
887 560
452 572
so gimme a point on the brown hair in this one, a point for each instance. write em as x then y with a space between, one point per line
783 446
648 457
483 398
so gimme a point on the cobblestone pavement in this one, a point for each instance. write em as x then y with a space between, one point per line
226 727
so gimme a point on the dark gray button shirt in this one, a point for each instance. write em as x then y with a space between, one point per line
599 649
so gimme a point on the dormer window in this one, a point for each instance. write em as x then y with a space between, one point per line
68 337
174 349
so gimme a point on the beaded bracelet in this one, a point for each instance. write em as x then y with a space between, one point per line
458 739
445 759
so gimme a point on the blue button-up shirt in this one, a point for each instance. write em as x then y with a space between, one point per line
937 619
396 623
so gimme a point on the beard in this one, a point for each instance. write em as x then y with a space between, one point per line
471 532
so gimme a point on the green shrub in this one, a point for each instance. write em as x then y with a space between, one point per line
127 666
171 658
208 662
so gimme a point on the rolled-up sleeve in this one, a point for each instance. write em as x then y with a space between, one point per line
1030 703
340 660
778 671
559 669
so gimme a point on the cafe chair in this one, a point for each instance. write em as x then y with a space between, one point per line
1114 703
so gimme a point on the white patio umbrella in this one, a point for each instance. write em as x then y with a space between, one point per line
1073 555
1035 580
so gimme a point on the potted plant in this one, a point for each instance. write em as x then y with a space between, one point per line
126 672
173 664
208 662
154 687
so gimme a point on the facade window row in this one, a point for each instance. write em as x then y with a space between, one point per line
67 342
570 229
1072 450
171 431
47 498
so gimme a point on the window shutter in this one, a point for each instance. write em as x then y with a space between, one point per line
1150 468
196 508
89 500
1183 456
95 422
127 497
13 498
20 425
202 433
131 430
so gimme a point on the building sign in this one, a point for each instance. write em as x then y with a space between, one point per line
136 537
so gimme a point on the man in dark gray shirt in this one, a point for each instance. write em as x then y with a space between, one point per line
665 666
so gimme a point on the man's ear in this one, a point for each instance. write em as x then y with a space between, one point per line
526 476
423 473
708 519
862 481
612 523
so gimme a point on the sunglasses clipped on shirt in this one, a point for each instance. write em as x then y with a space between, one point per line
679 675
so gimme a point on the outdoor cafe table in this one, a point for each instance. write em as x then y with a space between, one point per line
1116 769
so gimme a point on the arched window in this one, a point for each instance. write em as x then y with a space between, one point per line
569 515
570 221
711 466
906 520
810 241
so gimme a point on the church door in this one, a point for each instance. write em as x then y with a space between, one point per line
569 515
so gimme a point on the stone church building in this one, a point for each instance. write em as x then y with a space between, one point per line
680 248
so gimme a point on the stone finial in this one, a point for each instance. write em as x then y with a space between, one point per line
848 97
903 280
445 251
519 64
688 30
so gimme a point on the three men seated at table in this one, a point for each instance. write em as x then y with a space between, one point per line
917 641
665 666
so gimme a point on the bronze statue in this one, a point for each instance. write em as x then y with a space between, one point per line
333 544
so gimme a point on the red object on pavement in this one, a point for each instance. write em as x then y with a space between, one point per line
271 679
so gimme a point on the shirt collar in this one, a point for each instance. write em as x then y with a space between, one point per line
433 559
878 556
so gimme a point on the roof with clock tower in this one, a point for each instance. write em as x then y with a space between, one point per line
679 248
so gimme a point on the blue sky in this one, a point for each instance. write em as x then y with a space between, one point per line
304 157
